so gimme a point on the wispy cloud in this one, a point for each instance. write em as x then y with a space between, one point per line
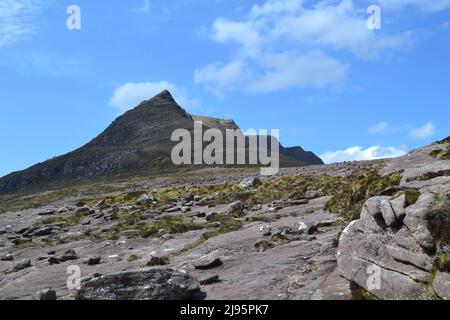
358 153
378 128
144 7
284 44
425 131
130 94
16 19
426 5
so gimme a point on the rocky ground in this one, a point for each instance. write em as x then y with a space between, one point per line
226 234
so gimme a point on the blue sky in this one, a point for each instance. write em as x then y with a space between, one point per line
310 68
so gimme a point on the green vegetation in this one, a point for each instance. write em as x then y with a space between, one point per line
430 175
442 262
439 219
411 197
356 189
442 154
158 261
133 257
335 242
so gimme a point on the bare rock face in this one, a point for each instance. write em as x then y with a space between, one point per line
143 284
391 250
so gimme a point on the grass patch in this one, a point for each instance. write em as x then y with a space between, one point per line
411 197
158 261
133 257
430 175
442 154
439 220
356 189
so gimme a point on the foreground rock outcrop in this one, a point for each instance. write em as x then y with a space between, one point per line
144 284
393 250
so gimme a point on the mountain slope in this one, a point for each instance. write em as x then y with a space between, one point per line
138 142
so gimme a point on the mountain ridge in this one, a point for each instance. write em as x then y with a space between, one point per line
135 142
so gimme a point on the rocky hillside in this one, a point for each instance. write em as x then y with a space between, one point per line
136 143
316 232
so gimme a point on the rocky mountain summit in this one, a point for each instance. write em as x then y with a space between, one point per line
357 230
136 143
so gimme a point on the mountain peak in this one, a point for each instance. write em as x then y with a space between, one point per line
164 95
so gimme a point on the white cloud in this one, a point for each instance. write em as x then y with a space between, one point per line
426 5
358 153
276 7
131 94
15 19
218 77
427 130
287 70
378 128
283 44
145 7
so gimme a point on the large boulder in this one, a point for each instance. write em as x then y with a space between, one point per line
391 251
142 284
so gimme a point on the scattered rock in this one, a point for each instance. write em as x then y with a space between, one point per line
209 265
46 294
92 261
249 182
22 264
236 206
145 198
7 257
210 280
441 285
311 230
53 260
258 207
311 194
189 197
42 232
68 255
46 213
144 284
266 230
301 227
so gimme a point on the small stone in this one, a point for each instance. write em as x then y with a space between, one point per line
53 260
92 261
46 213
266 230
68 255
46 294
301 227
185 209
209 265
7 257
311 230
285 230
258 207
249 182
236 206
82 210
189 197
210 280
22 264
311 194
